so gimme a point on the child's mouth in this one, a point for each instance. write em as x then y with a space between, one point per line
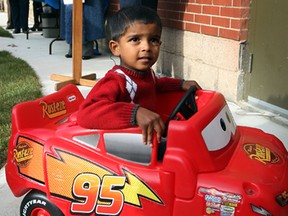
145 58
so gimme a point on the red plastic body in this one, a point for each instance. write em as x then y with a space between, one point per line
209 167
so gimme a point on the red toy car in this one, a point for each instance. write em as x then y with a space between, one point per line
206 165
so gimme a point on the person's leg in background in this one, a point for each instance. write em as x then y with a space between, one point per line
148 3
93 26
23 15
9 16
87 50
37 10
125 3
14 7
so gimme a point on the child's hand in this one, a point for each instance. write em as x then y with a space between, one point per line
149 121
188 83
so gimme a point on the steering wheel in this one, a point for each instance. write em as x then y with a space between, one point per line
187 107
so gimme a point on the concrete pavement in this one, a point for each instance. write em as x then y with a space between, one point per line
35 51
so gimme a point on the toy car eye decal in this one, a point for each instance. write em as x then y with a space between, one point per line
222 124
217 134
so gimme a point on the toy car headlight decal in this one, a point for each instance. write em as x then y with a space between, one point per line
260 210
128 146
217 134
89 140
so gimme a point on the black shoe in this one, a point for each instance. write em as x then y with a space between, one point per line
39 28
33 29
86 57
16 31
36 27
83 57
25 31
9 27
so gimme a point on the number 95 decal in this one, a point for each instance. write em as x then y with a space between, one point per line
104 196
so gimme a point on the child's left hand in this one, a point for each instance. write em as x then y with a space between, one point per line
188 83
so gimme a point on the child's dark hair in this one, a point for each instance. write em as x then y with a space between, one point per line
119 22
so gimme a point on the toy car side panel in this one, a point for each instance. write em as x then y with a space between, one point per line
33 123
255 176
187 154
25 164
187 134
46 111
142 189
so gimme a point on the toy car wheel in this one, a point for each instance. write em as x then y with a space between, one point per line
35 203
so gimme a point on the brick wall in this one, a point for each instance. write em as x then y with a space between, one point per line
220 18
202 41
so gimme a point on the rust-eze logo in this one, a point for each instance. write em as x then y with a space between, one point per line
54 109
22 154
261 153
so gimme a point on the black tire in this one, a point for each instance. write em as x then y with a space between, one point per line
36 201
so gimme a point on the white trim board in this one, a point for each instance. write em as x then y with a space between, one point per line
267 106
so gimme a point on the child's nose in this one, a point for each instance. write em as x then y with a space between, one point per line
145 45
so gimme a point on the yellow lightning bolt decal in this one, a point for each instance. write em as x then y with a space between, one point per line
63 170
134 188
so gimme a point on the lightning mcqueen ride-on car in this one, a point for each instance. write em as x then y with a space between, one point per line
206 165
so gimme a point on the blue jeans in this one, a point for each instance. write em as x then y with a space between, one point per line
149 3
20 11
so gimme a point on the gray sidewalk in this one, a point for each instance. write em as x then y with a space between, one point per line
35 51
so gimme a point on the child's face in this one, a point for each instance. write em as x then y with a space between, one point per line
139 47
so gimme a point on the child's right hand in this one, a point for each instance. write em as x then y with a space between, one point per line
149 121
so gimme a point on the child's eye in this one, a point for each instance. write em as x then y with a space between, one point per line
135 39
155 41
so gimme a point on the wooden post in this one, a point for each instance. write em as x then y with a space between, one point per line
77 25
77 39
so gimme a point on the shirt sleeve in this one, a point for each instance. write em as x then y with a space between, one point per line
107 106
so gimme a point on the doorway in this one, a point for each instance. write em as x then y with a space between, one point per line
268 49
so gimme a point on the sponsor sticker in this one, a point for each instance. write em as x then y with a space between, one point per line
71 98
261 153
22 154
53 110
221 202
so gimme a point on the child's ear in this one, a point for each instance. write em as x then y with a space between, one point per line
114 47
